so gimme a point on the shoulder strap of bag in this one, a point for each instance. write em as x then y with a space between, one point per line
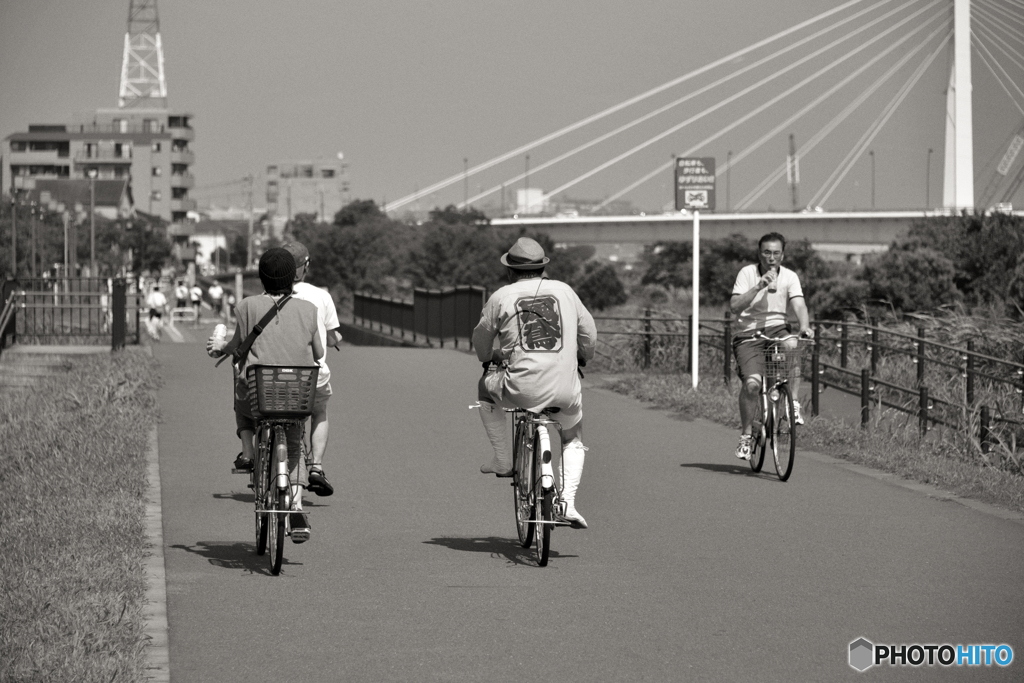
242 352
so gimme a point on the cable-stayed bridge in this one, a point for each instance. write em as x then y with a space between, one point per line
836 86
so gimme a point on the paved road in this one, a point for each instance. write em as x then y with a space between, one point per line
693 568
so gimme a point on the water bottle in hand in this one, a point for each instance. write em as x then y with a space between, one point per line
220 333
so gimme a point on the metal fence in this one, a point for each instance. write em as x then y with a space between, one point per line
434 315
938 383
69 311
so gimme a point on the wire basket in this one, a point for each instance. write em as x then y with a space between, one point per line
281 391
781 362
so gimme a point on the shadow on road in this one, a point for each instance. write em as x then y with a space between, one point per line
234 555
496 547
726 469
241 497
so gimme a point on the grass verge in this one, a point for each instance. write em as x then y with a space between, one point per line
891 443
72 521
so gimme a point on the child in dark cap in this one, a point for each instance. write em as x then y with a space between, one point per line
291 338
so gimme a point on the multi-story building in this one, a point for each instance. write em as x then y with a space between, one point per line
151 149
317 187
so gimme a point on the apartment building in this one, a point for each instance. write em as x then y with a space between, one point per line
150 150
318 187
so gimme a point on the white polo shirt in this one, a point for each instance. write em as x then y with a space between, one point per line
326 319
768 309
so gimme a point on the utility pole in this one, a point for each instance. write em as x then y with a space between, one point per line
14 234
928 181
526 199
871 153
248 242
92 222
728 181
465 183
32 268
793 171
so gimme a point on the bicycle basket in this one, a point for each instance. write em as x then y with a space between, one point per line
281 391
781 362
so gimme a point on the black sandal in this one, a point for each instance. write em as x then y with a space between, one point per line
243 463
318 483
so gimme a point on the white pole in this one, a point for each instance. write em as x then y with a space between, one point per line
695 330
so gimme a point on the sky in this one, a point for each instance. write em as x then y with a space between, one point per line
415 91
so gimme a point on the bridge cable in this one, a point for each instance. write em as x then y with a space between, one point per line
685 98
982 22
982 52
996 22
876 127
747 90
826 130
814 103
611 110
1002 10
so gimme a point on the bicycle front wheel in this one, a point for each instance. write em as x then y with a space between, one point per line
784 434
760 433
522 486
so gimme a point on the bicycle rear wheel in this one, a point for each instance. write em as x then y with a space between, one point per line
278 499
522 486
784 434
261 484
544 508
760 434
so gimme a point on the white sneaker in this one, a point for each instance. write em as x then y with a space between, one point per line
744 447
496 468
797 417
574 518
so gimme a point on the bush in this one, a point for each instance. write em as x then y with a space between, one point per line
912 278
600 287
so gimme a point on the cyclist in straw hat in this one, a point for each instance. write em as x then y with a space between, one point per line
533 335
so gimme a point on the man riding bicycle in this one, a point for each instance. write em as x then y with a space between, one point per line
544 333
762 296
329 329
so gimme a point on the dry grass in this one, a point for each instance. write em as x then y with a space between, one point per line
891 443
72 522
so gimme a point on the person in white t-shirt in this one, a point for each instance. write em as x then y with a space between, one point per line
157 304
532 337
329 329
762 296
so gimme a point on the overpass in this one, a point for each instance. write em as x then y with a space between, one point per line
854 232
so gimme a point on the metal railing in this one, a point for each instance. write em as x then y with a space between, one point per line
936 382
70 311
434 315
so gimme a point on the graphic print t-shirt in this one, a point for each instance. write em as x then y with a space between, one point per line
541 327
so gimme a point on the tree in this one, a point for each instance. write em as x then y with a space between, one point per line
454 216
912 278
599 287
358 211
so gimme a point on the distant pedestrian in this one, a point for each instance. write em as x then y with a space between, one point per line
216 293
196 295
181 295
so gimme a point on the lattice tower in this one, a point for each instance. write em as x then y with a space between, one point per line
142 67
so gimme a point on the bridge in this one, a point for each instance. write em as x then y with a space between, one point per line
845 233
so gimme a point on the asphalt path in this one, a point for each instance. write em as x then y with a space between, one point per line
693 568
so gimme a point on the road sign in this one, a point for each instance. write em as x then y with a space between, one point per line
695 183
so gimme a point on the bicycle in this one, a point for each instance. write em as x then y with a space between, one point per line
281 397
536 494
773 423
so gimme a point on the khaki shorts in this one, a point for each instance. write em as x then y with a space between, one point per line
490 389
750 352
